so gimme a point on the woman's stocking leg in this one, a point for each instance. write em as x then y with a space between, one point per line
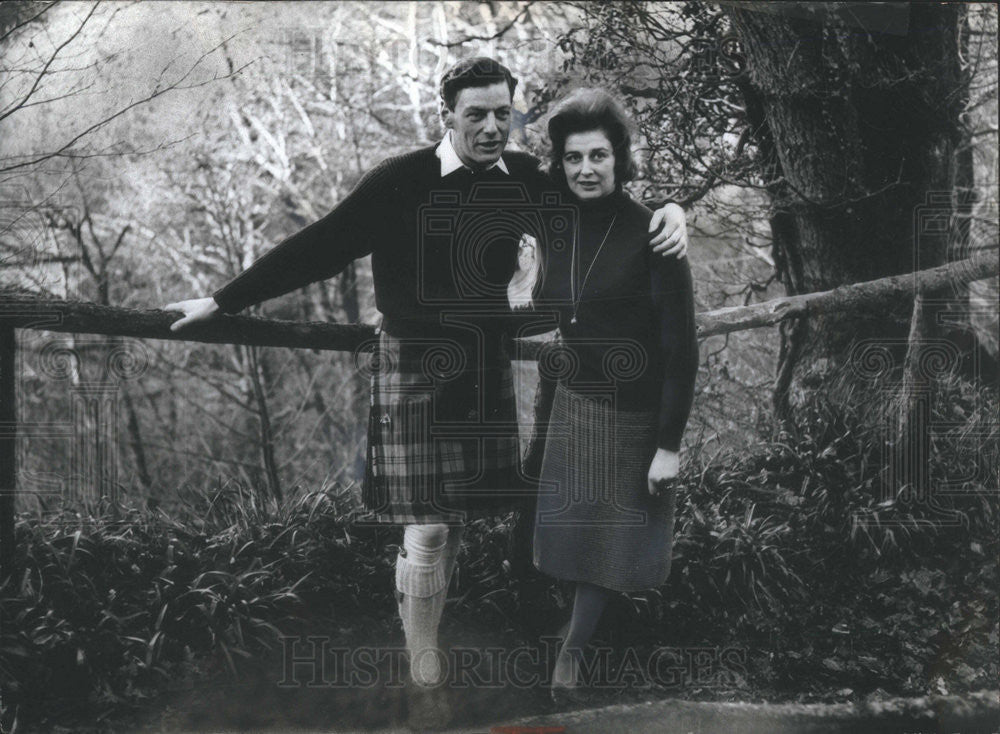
588 606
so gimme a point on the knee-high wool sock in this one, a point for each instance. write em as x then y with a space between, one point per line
423 570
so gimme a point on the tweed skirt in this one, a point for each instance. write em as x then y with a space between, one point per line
595 520
442 434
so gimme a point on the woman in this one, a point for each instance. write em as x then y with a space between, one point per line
629 356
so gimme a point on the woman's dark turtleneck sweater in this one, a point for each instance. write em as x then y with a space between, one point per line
634 333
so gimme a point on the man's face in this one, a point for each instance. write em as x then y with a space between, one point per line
480 124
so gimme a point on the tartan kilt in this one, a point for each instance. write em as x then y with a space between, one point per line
442 433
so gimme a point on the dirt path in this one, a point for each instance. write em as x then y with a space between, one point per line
317 693
974 714
951 715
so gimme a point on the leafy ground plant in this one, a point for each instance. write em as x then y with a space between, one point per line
790 557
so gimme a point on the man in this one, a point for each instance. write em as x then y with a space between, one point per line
443 225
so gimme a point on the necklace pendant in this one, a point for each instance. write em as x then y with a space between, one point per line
573 320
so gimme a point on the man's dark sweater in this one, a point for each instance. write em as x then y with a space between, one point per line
434 252
443 251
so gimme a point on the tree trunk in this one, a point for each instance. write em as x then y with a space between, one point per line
863 128
263 423
8 449
136 443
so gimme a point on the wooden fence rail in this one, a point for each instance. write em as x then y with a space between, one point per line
21 310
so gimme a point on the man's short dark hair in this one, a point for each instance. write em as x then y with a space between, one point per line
478 71
589 109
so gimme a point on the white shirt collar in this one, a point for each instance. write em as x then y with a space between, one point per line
451 162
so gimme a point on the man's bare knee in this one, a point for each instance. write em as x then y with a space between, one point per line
424 541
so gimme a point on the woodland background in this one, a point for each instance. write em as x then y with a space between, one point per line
150 151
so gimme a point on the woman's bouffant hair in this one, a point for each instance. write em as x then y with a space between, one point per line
589 109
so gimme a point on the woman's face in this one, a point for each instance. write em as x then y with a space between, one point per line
589 163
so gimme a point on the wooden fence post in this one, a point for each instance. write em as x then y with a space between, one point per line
8 447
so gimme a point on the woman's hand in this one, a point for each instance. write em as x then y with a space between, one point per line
673 238
665 465
195 309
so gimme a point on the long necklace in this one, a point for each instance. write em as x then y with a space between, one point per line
572 269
